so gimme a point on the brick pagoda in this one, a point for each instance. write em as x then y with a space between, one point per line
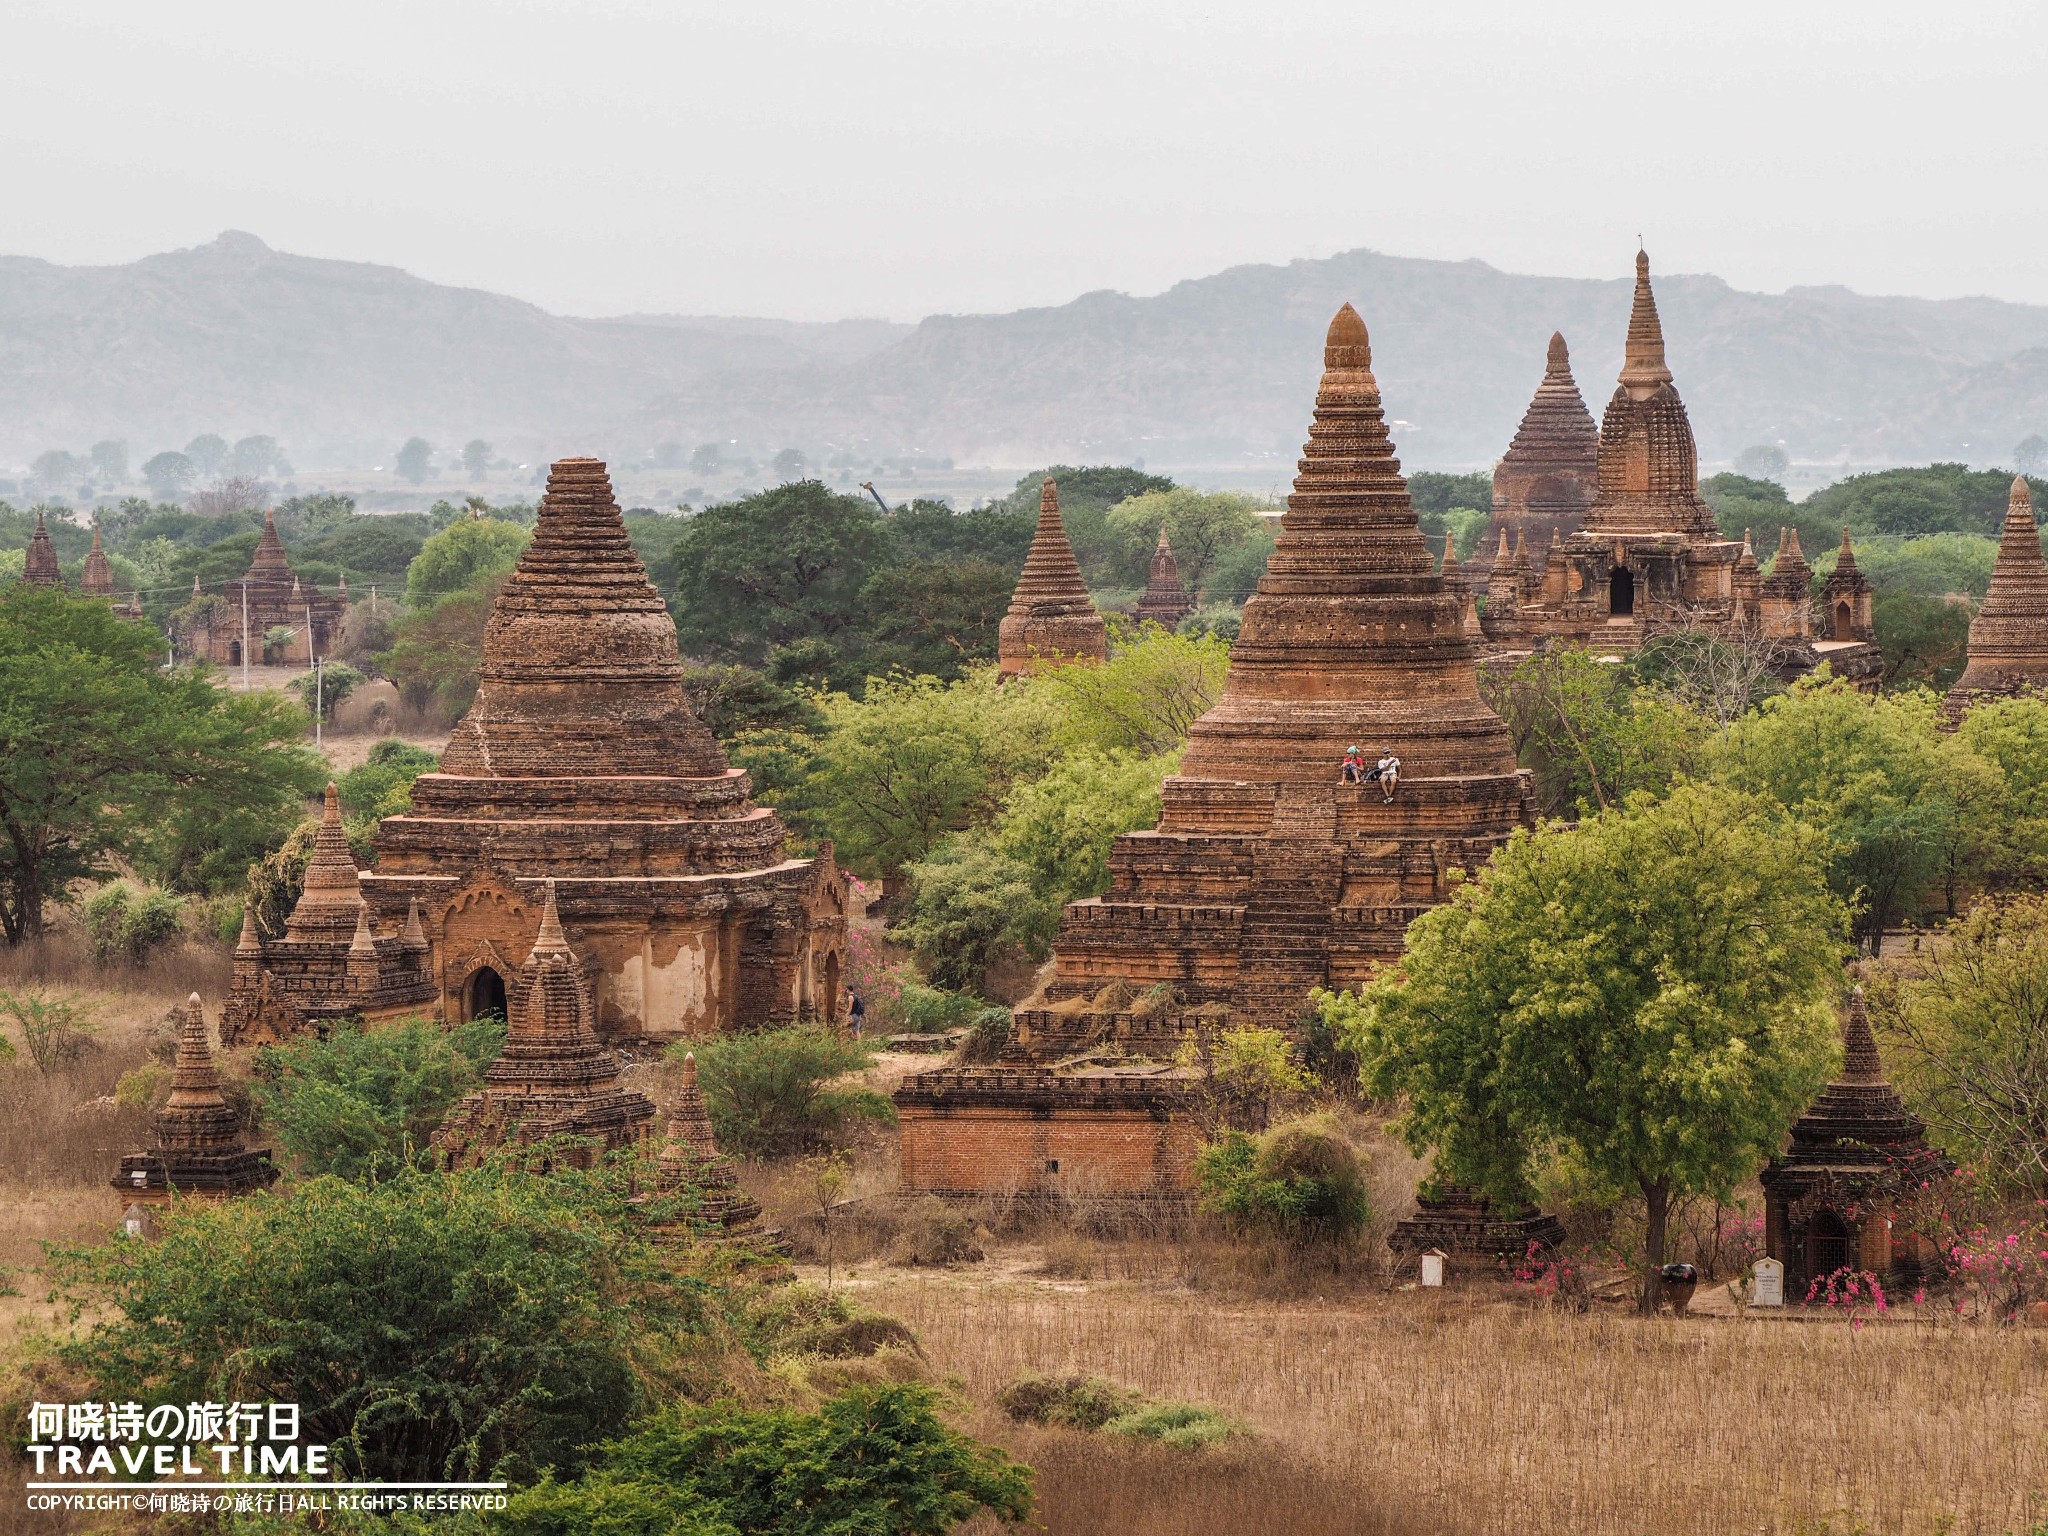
1468 1229
39 562
1267 876
1830 1197
1845 598
1648 556
2009 635
554 1078
1165 601
690 1159
581 763
1051 617
1544 482
97 579
199 1148
330 963
276 599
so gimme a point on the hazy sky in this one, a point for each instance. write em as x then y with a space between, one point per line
817 160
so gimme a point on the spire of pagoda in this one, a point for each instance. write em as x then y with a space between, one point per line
333 893
1352 632
269 563
690 1158
97 580
582 674
196 1115
1051 617
2009 636
1449 565
1643 367
39 565
1165 601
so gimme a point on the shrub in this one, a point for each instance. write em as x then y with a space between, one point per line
1301 1181
327 687
1185 1425
382 786
874 1459
56 1028
362 1104
929 1011
772 1092
986 1036
1069 1402
123 924
938 1234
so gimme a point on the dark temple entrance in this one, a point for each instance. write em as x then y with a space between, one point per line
483 993
1621 591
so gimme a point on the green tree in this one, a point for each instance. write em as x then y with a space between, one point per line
381 785
104 755
170 475
781 566
1061 826
969 904
430 1326
2012 734
1086 495
1301 1181
1200 525
1925 640
933 616
326 688
1765 461
415 460
1964 1025
1868 774
362 1104
874 1459
437 653
1647 995
253 457
777 1091
932 530
476 458
788 464
1144 699
2031 456
207 452
110 461
733 701
1591 732
462 555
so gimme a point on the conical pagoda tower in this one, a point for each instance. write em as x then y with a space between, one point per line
1648 462
1051 618
1545 481
553 1078
1827 1196
1165 601
1845 598
97 579
1267 875
1786 595
199 1147
690 1159
39 564
2009 635
580 762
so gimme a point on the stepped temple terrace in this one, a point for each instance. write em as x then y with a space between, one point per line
1544 483
1830 1198
1267 876
2009 636
580 764
199 1147
1051 617
554 1078
1164 601
272 598
1648 556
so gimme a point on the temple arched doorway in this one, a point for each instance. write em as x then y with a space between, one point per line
234 653
1621 592
1845 622
830 1006
1827 1245
483 993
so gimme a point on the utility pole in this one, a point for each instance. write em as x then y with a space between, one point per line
319 685
245 637
373 599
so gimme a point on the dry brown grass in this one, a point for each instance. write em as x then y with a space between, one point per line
1467 1414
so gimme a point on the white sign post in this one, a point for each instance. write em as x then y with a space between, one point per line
1433 1266
1769 1289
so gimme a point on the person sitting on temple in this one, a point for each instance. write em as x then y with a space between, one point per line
1388 772
1354 766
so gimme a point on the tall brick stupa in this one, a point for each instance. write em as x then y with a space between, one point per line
1545 481
200 1150
1165 600
1051 618
581 763
39 564
2009 635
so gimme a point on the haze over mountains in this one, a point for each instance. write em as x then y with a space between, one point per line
341 361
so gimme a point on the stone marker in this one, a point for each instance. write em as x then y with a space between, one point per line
1769 1287
1433 1266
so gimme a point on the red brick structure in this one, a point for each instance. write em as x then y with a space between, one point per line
277 599
2009 635
1051 618
199 1148
97 579
1648 556
1831 1197
690 1159
1267 876
1465 1226
1165 601
39 562
1545 481
1845 599
553 1078
581 763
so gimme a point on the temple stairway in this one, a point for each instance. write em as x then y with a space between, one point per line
1297 876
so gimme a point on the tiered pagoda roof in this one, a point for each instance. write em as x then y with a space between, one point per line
39 565
2009 635
97 579
199 1150
1546 478
690 1159
1165 600
1858 1127
1051 617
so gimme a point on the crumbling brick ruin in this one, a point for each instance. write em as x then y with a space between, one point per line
2009 636
199 1147
1164 601
214 630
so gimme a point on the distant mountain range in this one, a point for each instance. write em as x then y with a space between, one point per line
341 361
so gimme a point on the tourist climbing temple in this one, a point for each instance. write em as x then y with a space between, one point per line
1648 555
269 597
579 763
2009 635
1831 1197
200 1150
1051 617
1267 876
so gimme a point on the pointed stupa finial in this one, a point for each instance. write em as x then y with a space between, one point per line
413 935
1162 547
1502 553
2020 540
1845 557
689 1069
332 889
1450 552
1860 1063
364 944
1559 359
1521 545
1748 548
251 942
1347 345
1788 542
1643 369
550 940
95 537
195 584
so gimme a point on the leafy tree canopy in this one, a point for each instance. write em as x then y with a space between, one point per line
1144 699
1936 498
1201 527
773 1092
933 616
462 555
